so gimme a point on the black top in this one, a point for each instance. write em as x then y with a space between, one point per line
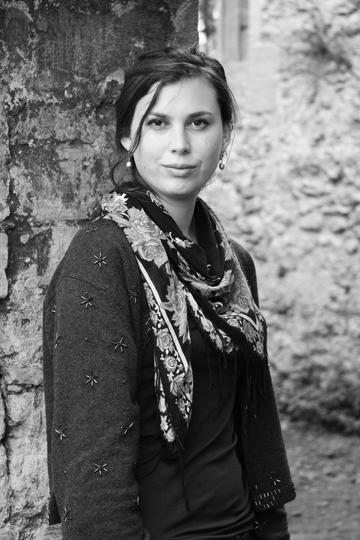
209 498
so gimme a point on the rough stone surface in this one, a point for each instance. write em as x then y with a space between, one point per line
4 155
3 265
58 85
294 180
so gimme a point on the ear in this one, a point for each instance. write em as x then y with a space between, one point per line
126 142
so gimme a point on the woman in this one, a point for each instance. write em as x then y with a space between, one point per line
161 416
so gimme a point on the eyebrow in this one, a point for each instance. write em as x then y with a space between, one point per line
192 115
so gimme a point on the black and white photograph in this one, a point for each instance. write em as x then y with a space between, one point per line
179 270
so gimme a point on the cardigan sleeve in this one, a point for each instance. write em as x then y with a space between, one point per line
92 328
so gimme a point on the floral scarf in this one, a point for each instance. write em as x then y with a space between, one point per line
180 282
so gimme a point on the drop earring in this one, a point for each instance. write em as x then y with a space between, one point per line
129 162
221 163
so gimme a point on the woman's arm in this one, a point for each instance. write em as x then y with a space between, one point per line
92 322
248 267
270 524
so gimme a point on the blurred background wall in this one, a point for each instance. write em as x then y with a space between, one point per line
291 191
61 67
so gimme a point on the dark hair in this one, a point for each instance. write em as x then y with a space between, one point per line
165 67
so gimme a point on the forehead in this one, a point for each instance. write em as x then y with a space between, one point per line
184 97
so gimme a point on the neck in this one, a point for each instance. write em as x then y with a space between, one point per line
182 213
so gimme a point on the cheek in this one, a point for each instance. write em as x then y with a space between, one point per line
150 148
142 155
212 154
211 151
213 144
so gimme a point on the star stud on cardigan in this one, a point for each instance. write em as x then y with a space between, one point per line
119 344
86 300
91 379
100 260
60 432
125 429
67 513
100 468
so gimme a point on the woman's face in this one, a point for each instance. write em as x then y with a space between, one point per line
181 139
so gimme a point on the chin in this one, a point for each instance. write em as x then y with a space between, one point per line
180 195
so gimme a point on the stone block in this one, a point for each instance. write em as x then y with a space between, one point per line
3 265
51 532
22 325
7 534
4 187
70 190
19 407
218 194
29 376
27 465
4 155
312 222
37 254
4 488
2 418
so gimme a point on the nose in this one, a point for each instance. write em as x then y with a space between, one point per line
179 141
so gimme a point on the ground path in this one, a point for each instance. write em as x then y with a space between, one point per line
326 471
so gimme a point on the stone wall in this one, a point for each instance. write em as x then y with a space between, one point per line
61 66
291 195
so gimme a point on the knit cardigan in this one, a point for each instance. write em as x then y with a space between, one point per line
96 323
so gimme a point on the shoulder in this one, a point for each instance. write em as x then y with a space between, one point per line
243 256
99 254
100 266
248 267
100 244
103 235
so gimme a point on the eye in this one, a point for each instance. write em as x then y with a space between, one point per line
156 123
200 123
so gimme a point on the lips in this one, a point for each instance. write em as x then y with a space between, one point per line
177 170
179 167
